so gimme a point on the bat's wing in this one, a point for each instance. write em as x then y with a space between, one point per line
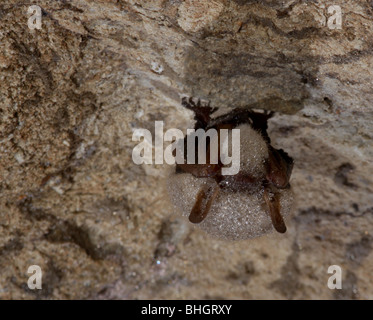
279 167
274 207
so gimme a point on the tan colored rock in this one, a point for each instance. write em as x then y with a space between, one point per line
73 92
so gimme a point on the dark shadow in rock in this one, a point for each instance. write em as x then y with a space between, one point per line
242 273
66 231
289 284
341 176
359 250
349 289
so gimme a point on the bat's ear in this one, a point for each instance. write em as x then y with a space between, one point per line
279 167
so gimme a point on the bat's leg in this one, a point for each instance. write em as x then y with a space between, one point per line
205 198
201 112
274 208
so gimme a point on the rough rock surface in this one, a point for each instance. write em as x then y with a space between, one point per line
71 94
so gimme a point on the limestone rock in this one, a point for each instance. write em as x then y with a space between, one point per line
72 93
